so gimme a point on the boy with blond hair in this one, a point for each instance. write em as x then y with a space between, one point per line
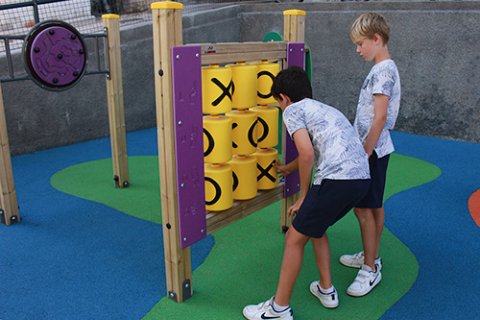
377 111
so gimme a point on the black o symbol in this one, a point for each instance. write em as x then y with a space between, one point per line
218 191
251 134
235 181
265 129
211 143
234 125
271 76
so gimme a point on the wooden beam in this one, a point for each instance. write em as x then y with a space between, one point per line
242 209
116 112
8 198
167 33
293 31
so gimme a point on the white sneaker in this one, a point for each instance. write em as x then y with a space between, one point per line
356 260
328 300
265 310
365 281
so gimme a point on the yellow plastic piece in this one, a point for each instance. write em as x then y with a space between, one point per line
267 176
244 131
166 5
294 12
217 89
110 16
217 139
244 77
265 75
244 177
267 126
218 187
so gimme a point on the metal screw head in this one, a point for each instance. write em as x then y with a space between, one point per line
182 185
197 55
184 238
177 57
180 122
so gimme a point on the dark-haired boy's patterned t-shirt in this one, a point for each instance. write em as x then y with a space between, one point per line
339 155
382 79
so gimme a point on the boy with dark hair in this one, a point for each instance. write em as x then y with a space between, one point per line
328 145
377 111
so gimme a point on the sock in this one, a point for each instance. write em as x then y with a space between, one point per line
279 308
325 291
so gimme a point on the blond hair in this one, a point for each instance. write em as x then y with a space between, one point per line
367 25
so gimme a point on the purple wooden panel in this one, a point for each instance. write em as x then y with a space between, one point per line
188 119
295 57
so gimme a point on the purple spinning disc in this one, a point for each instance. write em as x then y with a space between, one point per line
54 55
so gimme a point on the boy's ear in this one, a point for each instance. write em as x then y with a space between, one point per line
285 98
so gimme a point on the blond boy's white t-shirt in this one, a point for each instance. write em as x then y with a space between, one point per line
384 79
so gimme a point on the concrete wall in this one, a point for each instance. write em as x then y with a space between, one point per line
436 46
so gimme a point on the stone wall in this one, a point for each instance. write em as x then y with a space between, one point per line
436 46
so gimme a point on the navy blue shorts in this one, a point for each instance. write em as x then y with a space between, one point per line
327 203
378 174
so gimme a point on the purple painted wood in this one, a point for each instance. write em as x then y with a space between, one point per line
188 123
295 57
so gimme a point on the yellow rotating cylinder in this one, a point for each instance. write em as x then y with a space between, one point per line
244 177
266 72
244 131
217 139
267 126
244 78
218 187
217 89
266 170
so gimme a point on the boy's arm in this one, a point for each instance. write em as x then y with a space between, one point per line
305 161
378 123
286 169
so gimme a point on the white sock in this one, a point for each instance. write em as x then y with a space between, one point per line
325 291
279 308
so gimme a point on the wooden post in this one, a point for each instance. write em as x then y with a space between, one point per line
167 33
293 31
8 198
116 112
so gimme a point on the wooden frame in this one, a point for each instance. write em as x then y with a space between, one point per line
167 35
116 112
8 198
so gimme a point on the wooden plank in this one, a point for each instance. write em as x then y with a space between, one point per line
167 33
116 111
242 209
8 197
293 31
224 58
221 53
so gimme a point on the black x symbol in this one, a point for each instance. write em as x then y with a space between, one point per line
225 91
264 172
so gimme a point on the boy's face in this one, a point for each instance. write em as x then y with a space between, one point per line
369 48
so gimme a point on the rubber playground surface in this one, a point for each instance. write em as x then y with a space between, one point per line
85 250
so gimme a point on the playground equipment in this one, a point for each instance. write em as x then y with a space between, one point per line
55 58
178 79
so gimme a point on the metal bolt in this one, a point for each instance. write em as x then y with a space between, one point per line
180 122
59 56
187 285
172 295
51 32
288 189
301 49
55 80
36 49
182 185
202 231
177 57
184 238
291 49
197 55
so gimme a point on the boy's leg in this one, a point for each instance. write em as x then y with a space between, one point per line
291 265
368 229
322 257
379 215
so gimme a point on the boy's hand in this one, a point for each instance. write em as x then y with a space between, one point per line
282 168
293 210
